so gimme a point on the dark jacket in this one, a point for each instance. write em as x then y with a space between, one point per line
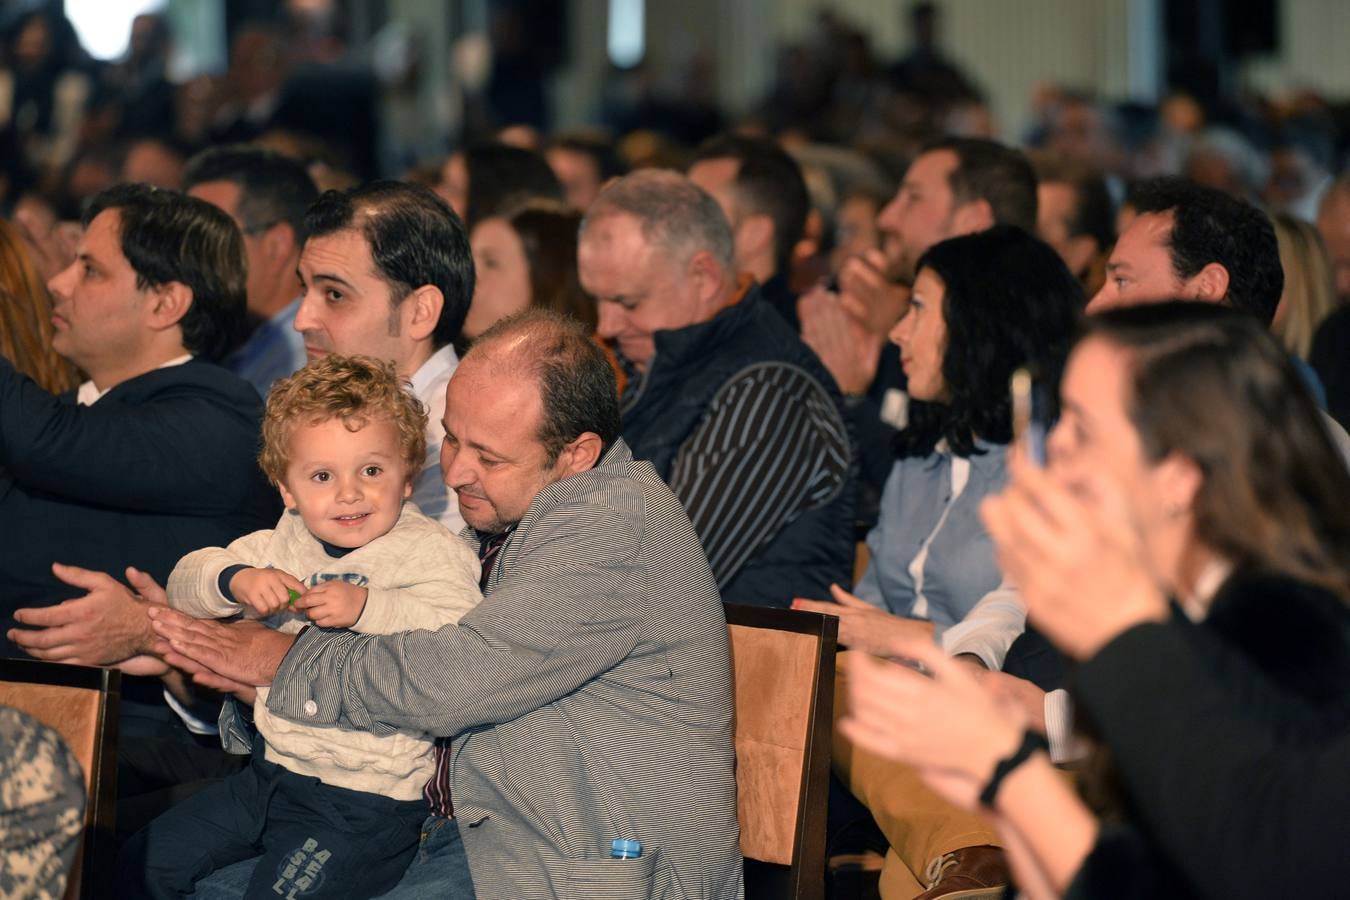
692 365
162 464
1226 736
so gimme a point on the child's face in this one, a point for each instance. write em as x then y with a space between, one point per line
347 485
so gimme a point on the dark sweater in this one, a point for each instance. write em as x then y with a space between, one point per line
1232 741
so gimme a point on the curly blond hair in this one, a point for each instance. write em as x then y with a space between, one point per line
354 389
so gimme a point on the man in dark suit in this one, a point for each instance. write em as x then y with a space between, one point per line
154 455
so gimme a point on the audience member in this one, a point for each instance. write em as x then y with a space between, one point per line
342 440
25 318
566 736
1195 243
153 456
1328 355
41 808
266 194
724 399
761 190
855 227
955 186
386 271
1192 242
583 164
983 306
154 160
527 258
1190 463
1309 291
487 179
1075 215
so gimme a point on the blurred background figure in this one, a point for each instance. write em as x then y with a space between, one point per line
1309 293
526 258
25 318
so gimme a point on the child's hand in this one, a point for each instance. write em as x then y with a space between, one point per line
333 604
265 590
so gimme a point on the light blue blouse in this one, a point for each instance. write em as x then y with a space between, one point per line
959 567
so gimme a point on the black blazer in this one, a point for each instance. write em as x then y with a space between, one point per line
163 464
1232 742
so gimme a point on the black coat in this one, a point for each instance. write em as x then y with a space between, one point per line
1232 741
163 464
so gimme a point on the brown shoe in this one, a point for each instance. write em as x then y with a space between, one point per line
971 873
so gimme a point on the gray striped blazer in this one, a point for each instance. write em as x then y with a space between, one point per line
590 694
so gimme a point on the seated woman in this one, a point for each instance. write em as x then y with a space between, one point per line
527 257
1190 463
983 305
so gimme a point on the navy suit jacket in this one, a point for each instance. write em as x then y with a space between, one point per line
164 463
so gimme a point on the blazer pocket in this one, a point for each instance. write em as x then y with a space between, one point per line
610 879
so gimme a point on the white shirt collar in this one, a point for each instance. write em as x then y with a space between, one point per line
89 394
436 365
1207 584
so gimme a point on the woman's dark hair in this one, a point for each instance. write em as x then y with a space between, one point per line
548 232
1009 301
1211 384
501 176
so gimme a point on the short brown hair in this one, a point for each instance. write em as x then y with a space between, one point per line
354 389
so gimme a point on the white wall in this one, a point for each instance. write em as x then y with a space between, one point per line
1315 51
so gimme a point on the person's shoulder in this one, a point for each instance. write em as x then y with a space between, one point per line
194 378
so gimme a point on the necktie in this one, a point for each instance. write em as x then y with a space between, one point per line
437 791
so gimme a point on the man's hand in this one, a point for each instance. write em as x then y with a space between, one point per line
844 344
105 626
870 295
864 627
266 591
236 657
333 604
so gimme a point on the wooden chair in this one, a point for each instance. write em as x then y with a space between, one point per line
80 703
783 663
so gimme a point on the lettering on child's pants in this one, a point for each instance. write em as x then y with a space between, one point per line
302 871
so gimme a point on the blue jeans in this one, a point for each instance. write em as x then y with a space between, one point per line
439 870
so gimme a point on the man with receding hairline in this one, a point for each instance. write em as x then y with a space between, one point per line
587 699
732 409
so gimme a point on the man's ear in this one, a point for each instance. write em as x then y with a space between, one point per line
1210 284
707 275
278 243
972 217
168 304
580 455
754 236
421 310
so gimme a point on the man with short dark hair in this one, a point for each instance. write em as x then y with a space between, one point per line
386 271
1190 242
733 410
586 700
154 456
266 194
583 163
763 195
1075 215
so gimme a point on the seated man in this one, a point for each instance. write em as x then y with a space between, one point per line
586 700
155 455
266 194
733 410
386 271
